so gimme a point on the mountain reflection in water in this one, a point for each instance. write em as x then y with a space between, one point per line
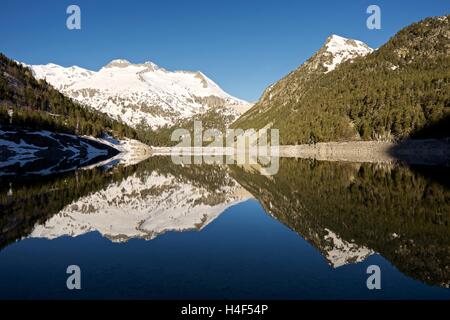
347 211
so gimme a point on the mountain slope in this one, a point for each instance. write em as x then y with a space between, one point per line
394 92
142 95
43 152
285 92
36 105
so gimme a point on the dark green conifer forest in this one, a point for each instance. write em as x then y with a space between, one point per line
36 105
401 90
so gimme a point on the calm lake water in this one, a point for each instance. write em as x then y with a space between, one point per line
159 230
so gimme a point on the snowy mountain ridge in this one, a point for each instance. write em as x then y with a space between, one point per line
141 94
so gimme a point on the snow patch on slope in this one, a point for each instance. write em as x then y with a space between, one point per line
130 151
23 152
15 151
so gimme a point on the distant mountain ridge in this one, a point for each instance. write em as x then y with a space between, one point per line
142 95
347 91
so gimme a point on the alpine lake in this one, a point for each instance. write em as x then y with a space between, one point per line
159 230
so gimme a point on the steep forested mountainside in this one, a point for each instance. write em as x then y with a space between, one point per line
401 90
28 103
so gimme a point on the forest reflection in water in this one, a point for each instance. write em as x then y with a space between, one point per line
347 211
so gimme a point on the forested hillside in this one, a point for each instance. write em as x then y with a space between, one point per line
36 105
211 119
401 90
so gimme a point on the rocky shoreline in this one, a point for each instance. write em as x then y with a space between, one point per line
426 152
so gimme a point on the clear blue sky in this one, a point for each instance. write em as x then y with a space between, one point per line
242 45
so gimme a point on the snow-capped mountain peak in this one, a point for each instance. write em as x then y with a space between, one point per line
123 63
54 73
152 65
340 49
118 63
143 93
